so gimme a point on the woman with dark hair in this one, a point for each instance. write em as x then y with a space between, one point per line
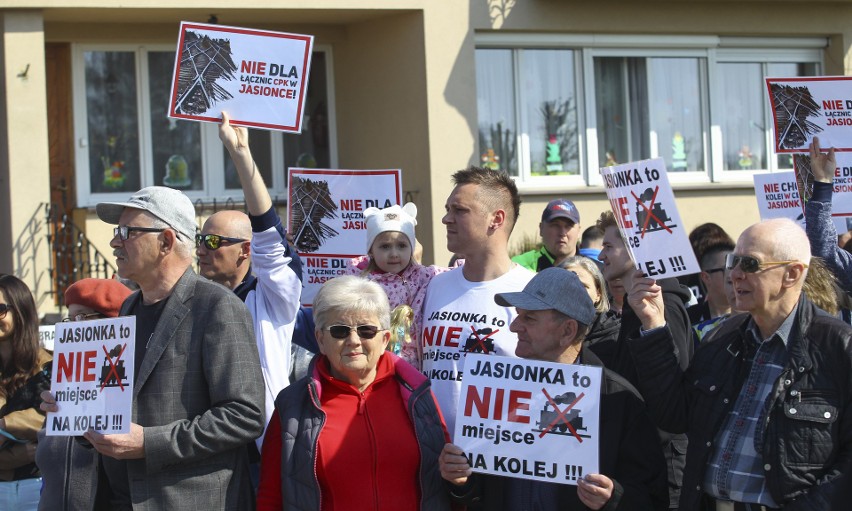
24 374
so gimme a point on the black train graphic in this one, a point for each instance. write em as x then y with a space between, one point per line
556 421
202 62
793 106
111 376
312 203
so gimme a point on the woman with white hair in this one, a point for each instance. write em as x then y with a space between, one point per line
603 332
362 431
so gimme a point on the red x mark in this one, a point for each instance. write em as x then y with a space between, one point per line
560 416
650 213
480 341
113 370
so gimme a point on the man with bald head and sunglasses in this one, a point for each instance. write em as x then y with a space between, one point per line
250 255
766 399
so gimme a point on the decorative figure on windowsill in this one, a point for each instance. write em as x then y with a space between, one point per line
746 160
610 159
678 153
553 160
490 160
113 173
177 175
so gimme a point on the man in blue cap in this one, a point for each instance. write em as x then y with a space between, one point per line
554 313
559 230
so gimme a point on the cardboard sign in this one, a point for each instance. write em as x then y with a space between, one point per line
806 107
326 217
644 207
529 419
778 196
92 381
841 197
46 334
259 77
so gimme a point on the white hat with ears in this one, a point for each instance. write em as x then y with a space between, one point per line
392 219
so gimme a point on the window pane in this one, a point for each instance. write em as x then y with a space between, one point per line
550 111
310 148
176 144
112 121
622 110
743 116
650 107
789 70
495 101
261 149
676 119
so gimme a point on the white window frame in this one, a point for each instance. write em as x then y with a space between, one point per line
213 167
710 49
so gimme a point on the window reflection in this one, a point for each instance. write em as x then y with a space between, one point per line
550 111
495 100
176 144
112 123
650 107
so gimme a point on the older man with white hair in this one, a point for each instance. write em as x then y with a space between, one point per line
766 401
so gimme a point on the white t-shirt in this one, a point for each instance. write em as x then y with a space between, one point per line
460 316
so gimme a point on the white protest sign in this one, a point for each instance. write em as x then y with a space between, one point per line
259 77
529 419
326 217
778 196
46 334
92 379
644 207
806 107
841 197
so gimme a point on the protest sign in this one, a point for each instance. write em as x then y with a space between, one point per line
259 77
778 196
529 419
326 217
806 107
90 396
644 207
45 336
841 197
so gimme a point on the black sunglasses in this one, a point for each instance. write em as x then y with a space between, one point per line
711 271
123 231
749 264
214 241
342 331
4 308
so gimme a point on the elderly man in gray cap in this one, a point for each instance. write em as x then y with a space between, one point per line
198 389
554 313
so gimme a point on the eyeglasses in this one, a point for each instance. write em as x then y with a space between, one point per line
4 308
123 231
83 317
342 331
711 271
749 264
214 241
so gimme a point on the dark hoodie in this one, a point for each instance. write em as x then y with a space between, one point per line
603 336
675 297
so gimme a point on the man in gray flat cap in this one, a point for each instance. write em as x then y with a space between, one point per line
554 313
198 390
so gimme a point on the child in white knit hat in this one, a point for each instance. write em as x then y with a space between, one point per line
390 263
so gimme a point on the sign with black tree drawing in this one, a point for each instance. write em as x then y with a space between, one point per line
259 77
814 106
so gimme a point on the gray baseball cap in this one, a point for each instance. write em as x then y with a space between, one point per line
553 288
169 205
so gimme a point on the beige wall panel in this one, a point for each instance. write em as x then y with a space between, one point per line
24 183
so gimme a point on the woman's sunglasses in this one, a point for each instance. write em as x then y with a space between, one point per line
749 264
214 241
4 308
342 331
